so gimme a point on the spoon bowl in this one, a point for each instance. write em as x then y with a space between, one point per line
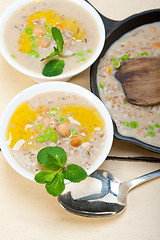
100 195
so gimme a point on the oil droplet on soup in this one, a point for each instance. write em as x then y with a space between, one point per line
50 18
22 116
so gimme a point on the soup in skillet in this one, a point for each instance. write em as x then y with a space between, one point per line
142 123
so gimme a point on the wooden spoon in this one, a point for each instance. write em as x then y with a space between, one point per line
140 79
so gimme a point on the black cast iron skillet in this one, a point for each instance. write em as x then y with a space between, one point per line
114 30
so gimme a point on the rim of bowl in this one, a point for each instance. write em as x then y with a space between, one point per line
53 86
7 56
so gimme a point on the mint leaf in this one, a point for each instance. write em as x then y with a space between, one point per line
74 173
52 157
59 155
45 176
56 33
57 186
51 54
45 158
53 68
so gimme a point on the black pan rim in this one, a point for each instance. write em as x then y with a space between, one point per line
93 70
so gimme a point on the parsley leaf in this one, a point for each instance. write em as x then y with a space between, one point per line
53 68
74 173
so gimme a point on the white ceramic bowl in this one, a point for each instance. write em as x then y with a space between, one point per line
53 86
38 77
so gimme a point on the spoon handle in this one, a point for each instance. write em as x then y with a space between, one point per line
139 180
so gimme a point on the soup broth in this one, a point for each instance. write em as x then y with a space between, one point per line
56 119
28 34
142 123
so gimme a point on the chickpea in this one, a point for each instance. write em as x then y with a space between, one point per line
39 31
64 129
44 43
156 45
75 141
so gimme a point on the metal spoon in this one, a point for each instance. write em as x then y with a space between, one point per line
100 195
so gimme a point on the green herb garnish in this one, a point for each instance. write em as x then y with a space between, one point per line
54 159
56 33
55 67
52 54
74 173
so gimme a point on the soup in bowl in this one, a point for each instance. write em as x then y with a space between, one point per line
51 40
55 114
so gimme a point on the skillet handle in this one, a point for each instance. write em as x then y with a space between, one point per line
108 23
